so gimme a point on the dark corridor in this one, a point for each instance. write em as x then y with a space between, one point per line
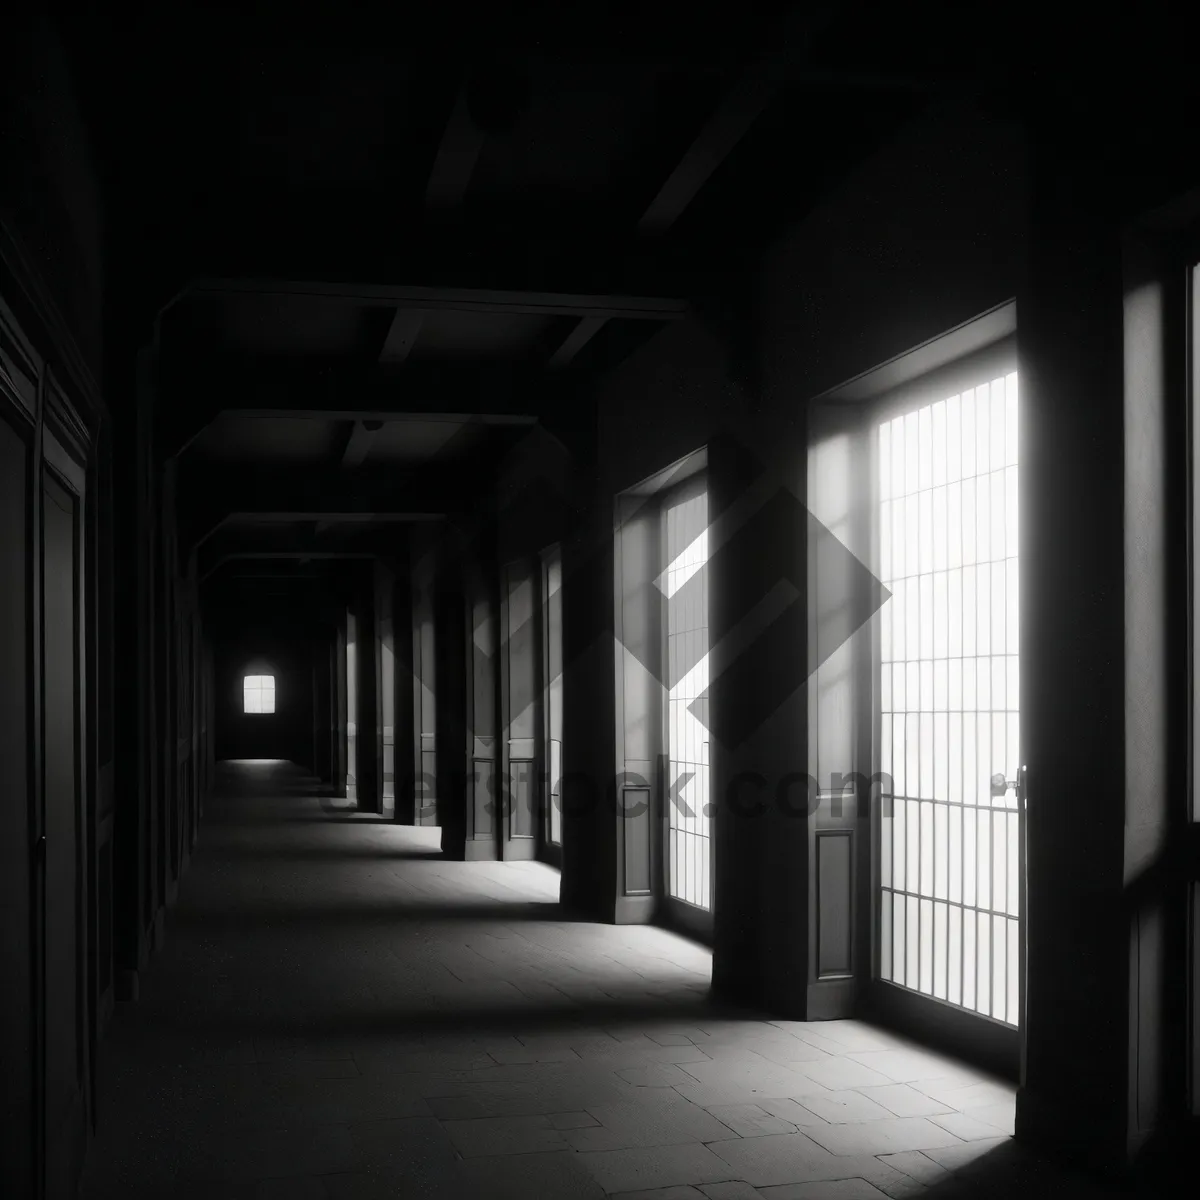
598 603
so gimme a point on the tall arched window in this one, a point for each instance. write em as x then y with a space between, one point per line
258 694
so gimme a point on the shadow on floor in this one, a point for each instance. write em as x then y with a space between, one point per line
1011 1170
321 854
329 1005
241 915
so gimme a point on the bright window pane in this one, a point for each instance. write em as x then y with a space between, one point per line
258 694
686 591
950 681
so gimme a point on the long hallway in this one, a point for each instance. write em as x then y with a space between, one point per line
338 1011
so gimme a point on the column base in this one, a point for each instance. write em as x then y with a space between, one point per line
1074 1133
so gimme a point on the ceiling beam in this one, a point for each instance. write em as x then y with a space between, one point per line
734 117
498 247
477 300
216 499
213 562
457 154
584 331
295 543
254 387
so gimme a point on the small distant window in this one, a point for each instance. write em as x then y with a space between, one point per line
258 694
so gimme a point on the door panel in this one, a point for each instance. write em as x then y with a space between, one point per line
63 929
17 1026
948 685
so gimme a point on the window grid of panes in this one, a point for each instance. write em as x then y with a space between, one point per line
949 699
687 799
258 694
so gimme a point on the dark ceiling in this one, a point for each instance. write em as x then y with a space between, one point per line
380 244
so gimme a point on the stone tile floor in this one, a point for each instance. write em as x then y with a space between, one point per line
339 1013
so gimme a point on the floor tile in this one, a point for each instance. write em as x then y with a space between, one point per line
961 1154
883 1136
434 1183
524 1177
905 1066
490 1136
903 1187
840 1073
830 1189
403 1145
904 1101
917 1165
749 1120
659 1119
572 1120
1000 1116
960 1095
790 1158
838 1107
277 1153
678 1192
792 1110
966 1126
761 1077
655 1076
735 1190
644 1168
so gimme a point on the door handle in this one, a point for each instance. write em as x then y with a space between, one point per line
1000 785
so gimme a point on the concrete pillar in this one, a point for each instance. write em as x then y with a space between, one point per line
341 739
1098 402
424 673
589 718
404 746
450 703
370 734
477 832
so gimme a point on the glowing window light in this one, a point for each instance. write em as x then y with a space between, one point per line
688 817
258 694
949 700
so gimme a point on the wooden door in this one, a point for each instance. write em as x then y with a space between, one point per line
65 842
18 1026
